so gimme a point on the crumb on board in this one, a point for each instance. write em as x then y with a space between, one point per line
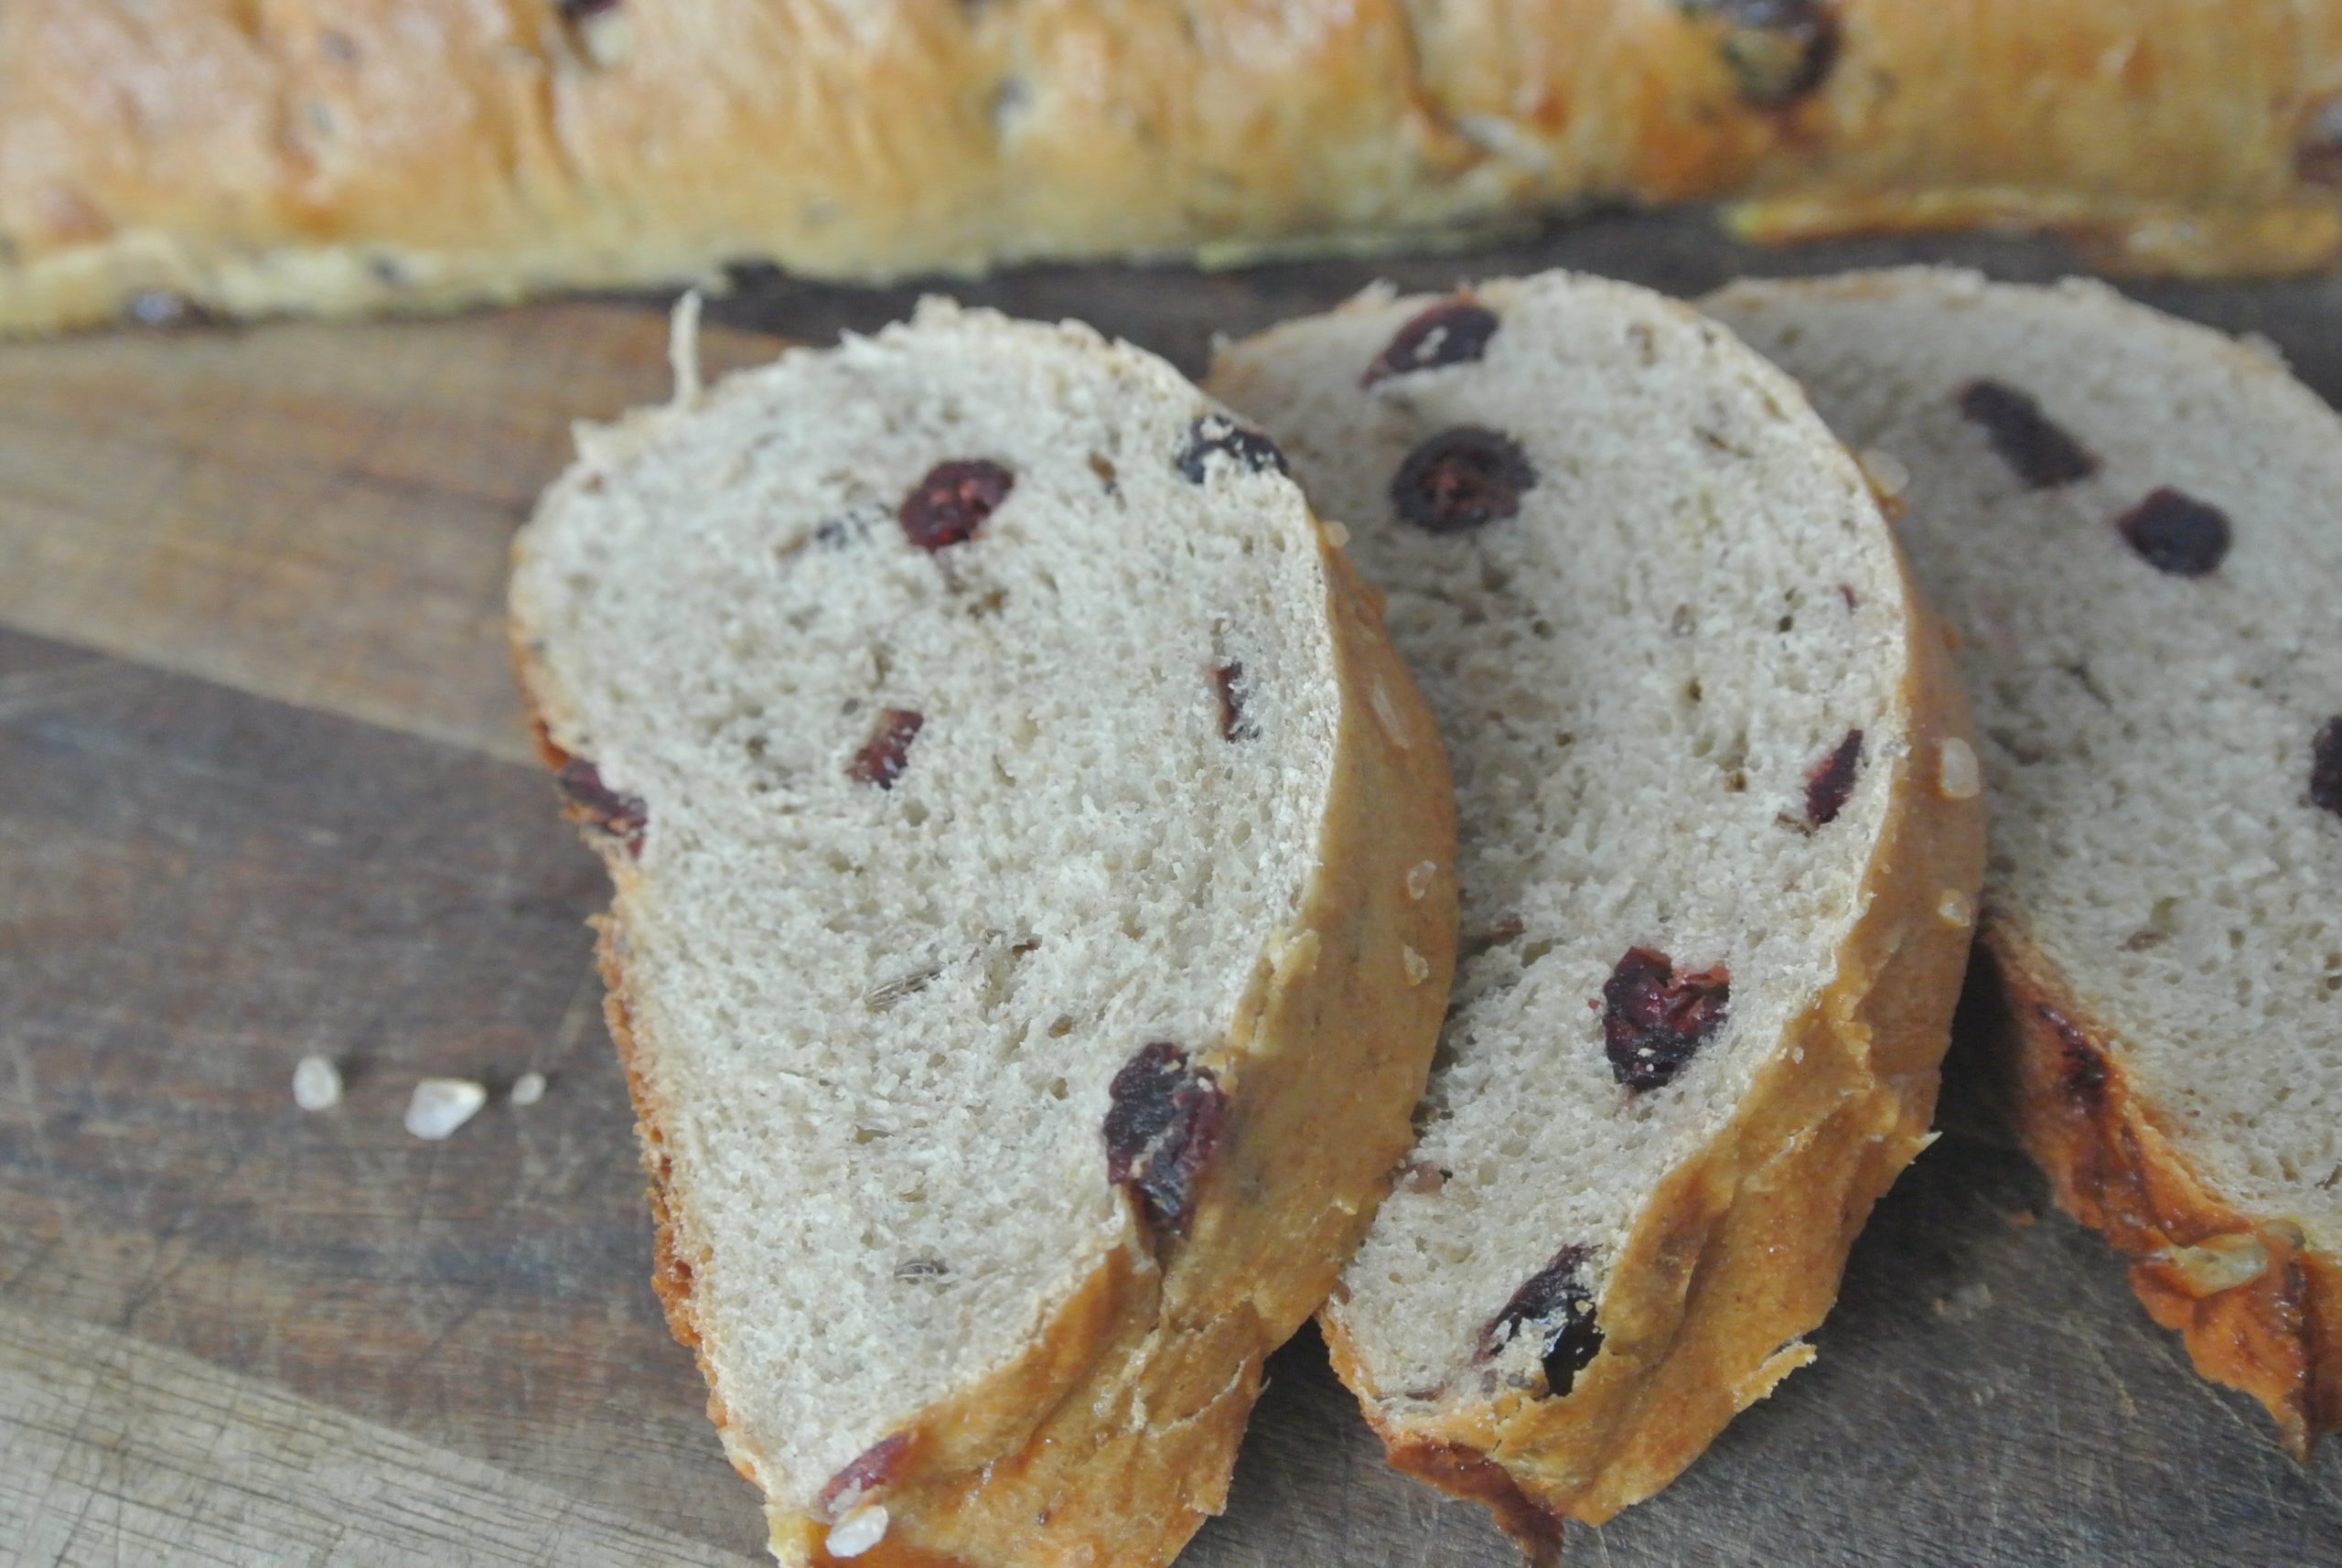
443 1104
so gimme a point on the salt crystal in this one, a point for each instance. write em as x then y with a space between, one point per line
527 1089
443 1104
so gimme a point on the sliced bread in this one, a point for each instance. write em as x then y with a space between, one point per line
1719 843
1033 914
2132 521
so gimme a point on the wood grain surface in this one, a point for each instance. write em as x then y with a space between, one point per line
259 797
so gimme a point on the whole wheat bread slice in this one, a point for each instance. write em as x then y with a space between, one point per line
2133 522
1719 841
1033 905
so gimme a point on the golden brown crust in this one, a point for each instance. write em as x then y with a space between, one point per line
340 155
1737 1255
2259 1309
1110 1438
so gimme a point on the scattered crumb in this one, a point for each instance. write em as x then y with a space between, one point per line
1419 878
317 1084
1417 966
527 1089
857 1532
443 1104
1955 909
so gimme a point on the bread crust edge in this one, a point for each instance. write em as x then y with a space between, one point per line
1739 1252
2276 1332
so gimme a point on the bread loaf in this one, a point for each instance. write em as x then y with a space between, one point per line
341 155
1021 949
1719 847
2132 520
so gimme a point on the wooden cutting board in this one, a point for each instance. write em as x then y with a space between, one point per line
264 791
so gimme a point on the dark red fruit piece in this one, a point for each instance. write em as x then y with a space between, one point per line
947 506
2175 533
1217 433
1832 780
2326 766
595 804
882 757
1653 1019
2028 441
1778 50
2085 1068
1460 479
1453 332
1228 680
1165 1120
1562 1308
875 1465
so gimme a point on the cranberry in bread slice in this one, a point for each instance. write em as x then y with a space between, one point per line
2150 638
1718 857
1021 949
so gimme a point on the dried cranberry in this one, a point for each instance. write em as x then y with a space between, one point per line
883 756
2084 1068
2326 766
1228 680
1832 779
2040 451
873 1469
595 804
1461 478
947 506
1653 1020
1164 1118
1562 1308
2175 533
1778 50
1453 332
1217 433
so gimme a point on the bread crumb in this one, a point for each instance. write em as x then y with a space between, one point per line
1419 878
1337 534
857 1532
527 1089
1960 776
317 1084
1417 966
443 1104
1955 908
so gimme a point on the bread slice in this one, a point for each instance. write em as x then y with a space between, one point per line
1719 843
2132 520
1033 915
